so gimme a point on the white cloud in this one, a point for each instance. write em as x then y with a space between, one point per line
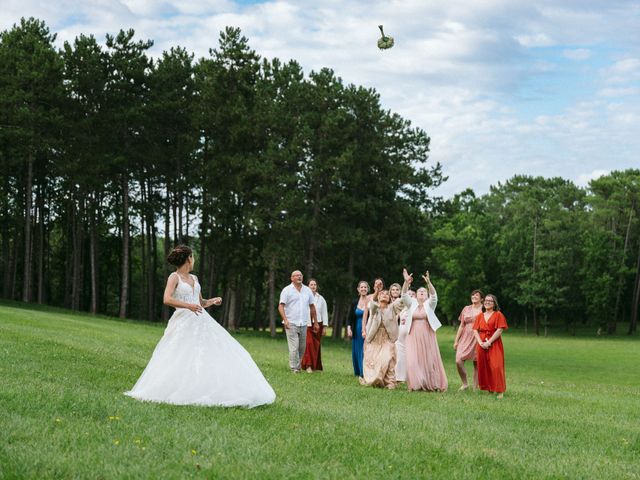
577 54
583 179
535 40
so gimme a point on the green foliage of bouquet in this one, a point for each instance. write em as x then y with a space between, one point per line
385 41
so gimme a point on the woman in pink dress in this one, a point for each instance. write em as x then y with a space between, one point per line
465 342
425 370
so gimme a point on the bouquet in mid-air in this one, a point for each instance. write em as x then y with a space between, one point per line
385 41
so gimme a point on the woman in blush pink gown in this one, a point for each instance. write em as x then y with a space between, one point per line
465 342
425 370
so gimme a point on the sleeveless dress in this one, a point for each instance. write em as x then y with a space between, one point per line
197 362
357 345
425 370
467 342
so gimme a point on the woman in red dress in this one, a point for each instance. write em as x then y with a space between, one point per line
487 328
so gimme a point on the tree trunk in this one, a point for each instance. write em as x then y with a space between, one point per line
633 322
41 224
151 252
6 261
153 268
272 296
339 320
77 241
211 281
28 200
611 327
124 287
69 253
174 207
167 244
143 312
185 236
14 270
203 244
313 233
93 254
536 325
232 320
258 318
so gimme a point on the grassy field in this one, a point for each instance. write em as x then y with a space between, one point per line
572 410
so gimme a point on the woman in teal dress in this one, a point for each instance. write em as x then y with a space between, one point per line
354 328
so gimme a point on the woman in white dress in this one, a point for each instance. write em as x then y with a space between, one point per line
401 356
197 362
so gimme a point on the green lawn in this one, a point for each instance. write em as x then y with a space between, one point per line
572 410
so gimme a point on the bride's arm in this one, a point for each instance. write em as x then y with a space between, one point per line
167 299
210 301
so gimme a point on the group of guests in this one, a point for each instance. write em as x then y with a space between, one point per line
305 319
393 334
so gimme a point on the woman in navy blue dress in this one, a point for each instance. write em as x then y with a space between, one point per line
354 328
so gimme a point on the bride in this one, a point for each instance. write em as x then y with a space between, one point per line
197 362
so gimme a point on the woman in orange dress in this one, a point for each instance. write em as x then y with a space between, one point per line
487 328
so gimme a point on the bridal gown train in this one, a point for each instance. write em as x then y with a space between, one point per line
197 362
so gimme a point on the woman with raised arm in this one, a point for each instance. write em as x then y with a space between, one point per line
425 370
378 285
465 342
487 328
354 328
380 340
401 355
197 362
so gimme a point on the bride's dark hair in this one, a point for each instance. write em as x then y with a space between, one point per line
179 255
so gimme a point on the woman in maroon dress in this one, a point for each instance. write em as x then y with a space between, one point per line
487 328
312 359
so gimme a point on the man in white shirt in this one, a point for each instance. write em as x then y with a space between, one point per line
296 307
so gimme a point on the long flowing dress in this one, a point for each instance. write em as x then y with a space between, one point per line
466 349
313 353
357 344
491 371
197 362
425 370
401 354
380 344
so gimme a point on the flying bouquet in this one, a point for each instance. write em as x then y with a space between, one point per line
385 41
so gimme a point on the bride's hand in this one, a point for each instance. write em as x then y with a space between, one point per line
214 301
194 308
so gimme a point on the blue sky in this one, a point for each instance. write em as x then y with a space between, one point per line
503 87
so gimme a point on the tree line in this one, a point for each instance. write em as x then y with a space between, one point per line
110 158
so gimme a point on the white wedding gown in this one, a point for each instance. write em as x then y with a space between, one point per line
197 362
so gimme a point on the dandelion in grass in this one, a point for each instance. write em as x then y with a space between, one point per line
116 442
58 420
193 452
